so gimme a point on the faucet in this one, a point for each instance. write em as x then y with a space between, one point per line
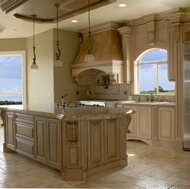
139 99
62 99
64 95
151 98
147 99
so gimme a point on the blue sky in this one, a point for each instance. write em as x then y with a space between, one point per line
10 74
148 72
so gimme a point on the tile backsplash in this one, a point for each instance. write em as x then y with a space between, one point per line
114 91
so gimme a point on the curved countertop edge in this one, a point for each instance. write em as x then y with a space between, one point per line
71 114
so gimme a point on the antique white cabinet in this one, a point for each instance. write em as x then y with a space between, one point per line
141 124
166 123
153 124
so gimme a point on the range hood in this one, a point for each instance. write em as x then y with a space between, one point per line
107 51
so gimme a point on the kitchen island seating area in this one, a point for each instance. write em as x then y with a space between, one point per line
79 142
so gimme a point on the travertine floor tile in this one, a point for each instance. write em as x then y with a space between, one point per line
148 168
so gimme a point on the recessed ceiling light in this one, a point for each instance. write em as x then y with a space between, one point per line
122 5
74 21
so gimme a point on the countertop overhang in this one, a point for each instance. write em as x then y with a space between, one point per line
70 113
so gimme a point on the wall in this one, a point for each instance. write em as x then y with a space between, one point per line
12 44
69 44
48 83
40 81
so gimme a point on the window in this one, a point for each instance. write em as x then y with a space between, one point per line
12 83
151 69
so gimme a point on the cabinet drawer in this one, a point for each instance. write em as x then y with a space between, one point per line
25 146
24 126
26 132
24 118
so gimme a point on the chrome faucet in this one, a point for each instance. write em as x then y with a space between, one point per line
62 100
139 99
147 99
151 98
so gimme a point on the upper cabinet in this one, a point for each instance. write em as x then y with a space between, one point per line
166 31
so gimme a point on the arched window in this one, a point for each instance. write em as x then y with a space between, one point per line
151 71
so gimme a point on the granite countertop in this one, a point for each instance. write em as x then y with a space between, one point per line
70 113
147 103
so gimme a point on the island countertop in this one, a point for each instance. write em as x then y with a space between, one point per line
74 112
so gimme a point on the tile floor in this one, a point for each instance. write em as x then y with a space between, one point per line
148 167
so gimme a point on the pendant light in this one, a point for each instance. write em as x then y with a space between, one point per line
57 61
89 58
34 65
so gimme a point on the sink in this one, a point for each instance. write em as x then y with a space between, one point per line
154 102
129 101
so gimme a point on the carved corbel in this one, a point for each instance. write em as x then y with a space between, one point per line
177 29
151 38
151 33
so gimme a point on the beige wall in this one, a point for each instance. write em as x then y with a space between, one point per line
12 44
69 44
48 83
40 81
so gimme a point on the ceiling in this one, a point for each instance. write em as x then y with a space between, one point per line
101 11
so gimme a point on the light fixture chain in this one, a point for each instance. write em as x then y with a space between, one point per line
34 65
34 46
57 23
58 54
90 48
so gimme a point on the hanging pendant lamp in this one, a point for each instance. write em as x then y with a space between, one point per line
89 58
34 65
57 61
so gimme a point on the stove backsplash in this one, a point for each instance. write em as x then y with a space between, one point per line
114 91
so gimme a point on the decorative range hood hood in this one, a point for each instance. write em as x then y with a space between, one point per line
107 51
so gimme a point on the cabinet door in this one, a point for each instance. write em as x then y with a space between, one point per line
144 128
40 138
111 139
95 143
10 130
54 142
132 126
166 123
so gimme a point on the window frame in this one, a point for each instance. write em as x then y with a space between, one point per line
137 65
24 84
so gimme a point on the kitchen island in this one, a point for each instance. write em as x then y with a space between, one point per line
78 141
